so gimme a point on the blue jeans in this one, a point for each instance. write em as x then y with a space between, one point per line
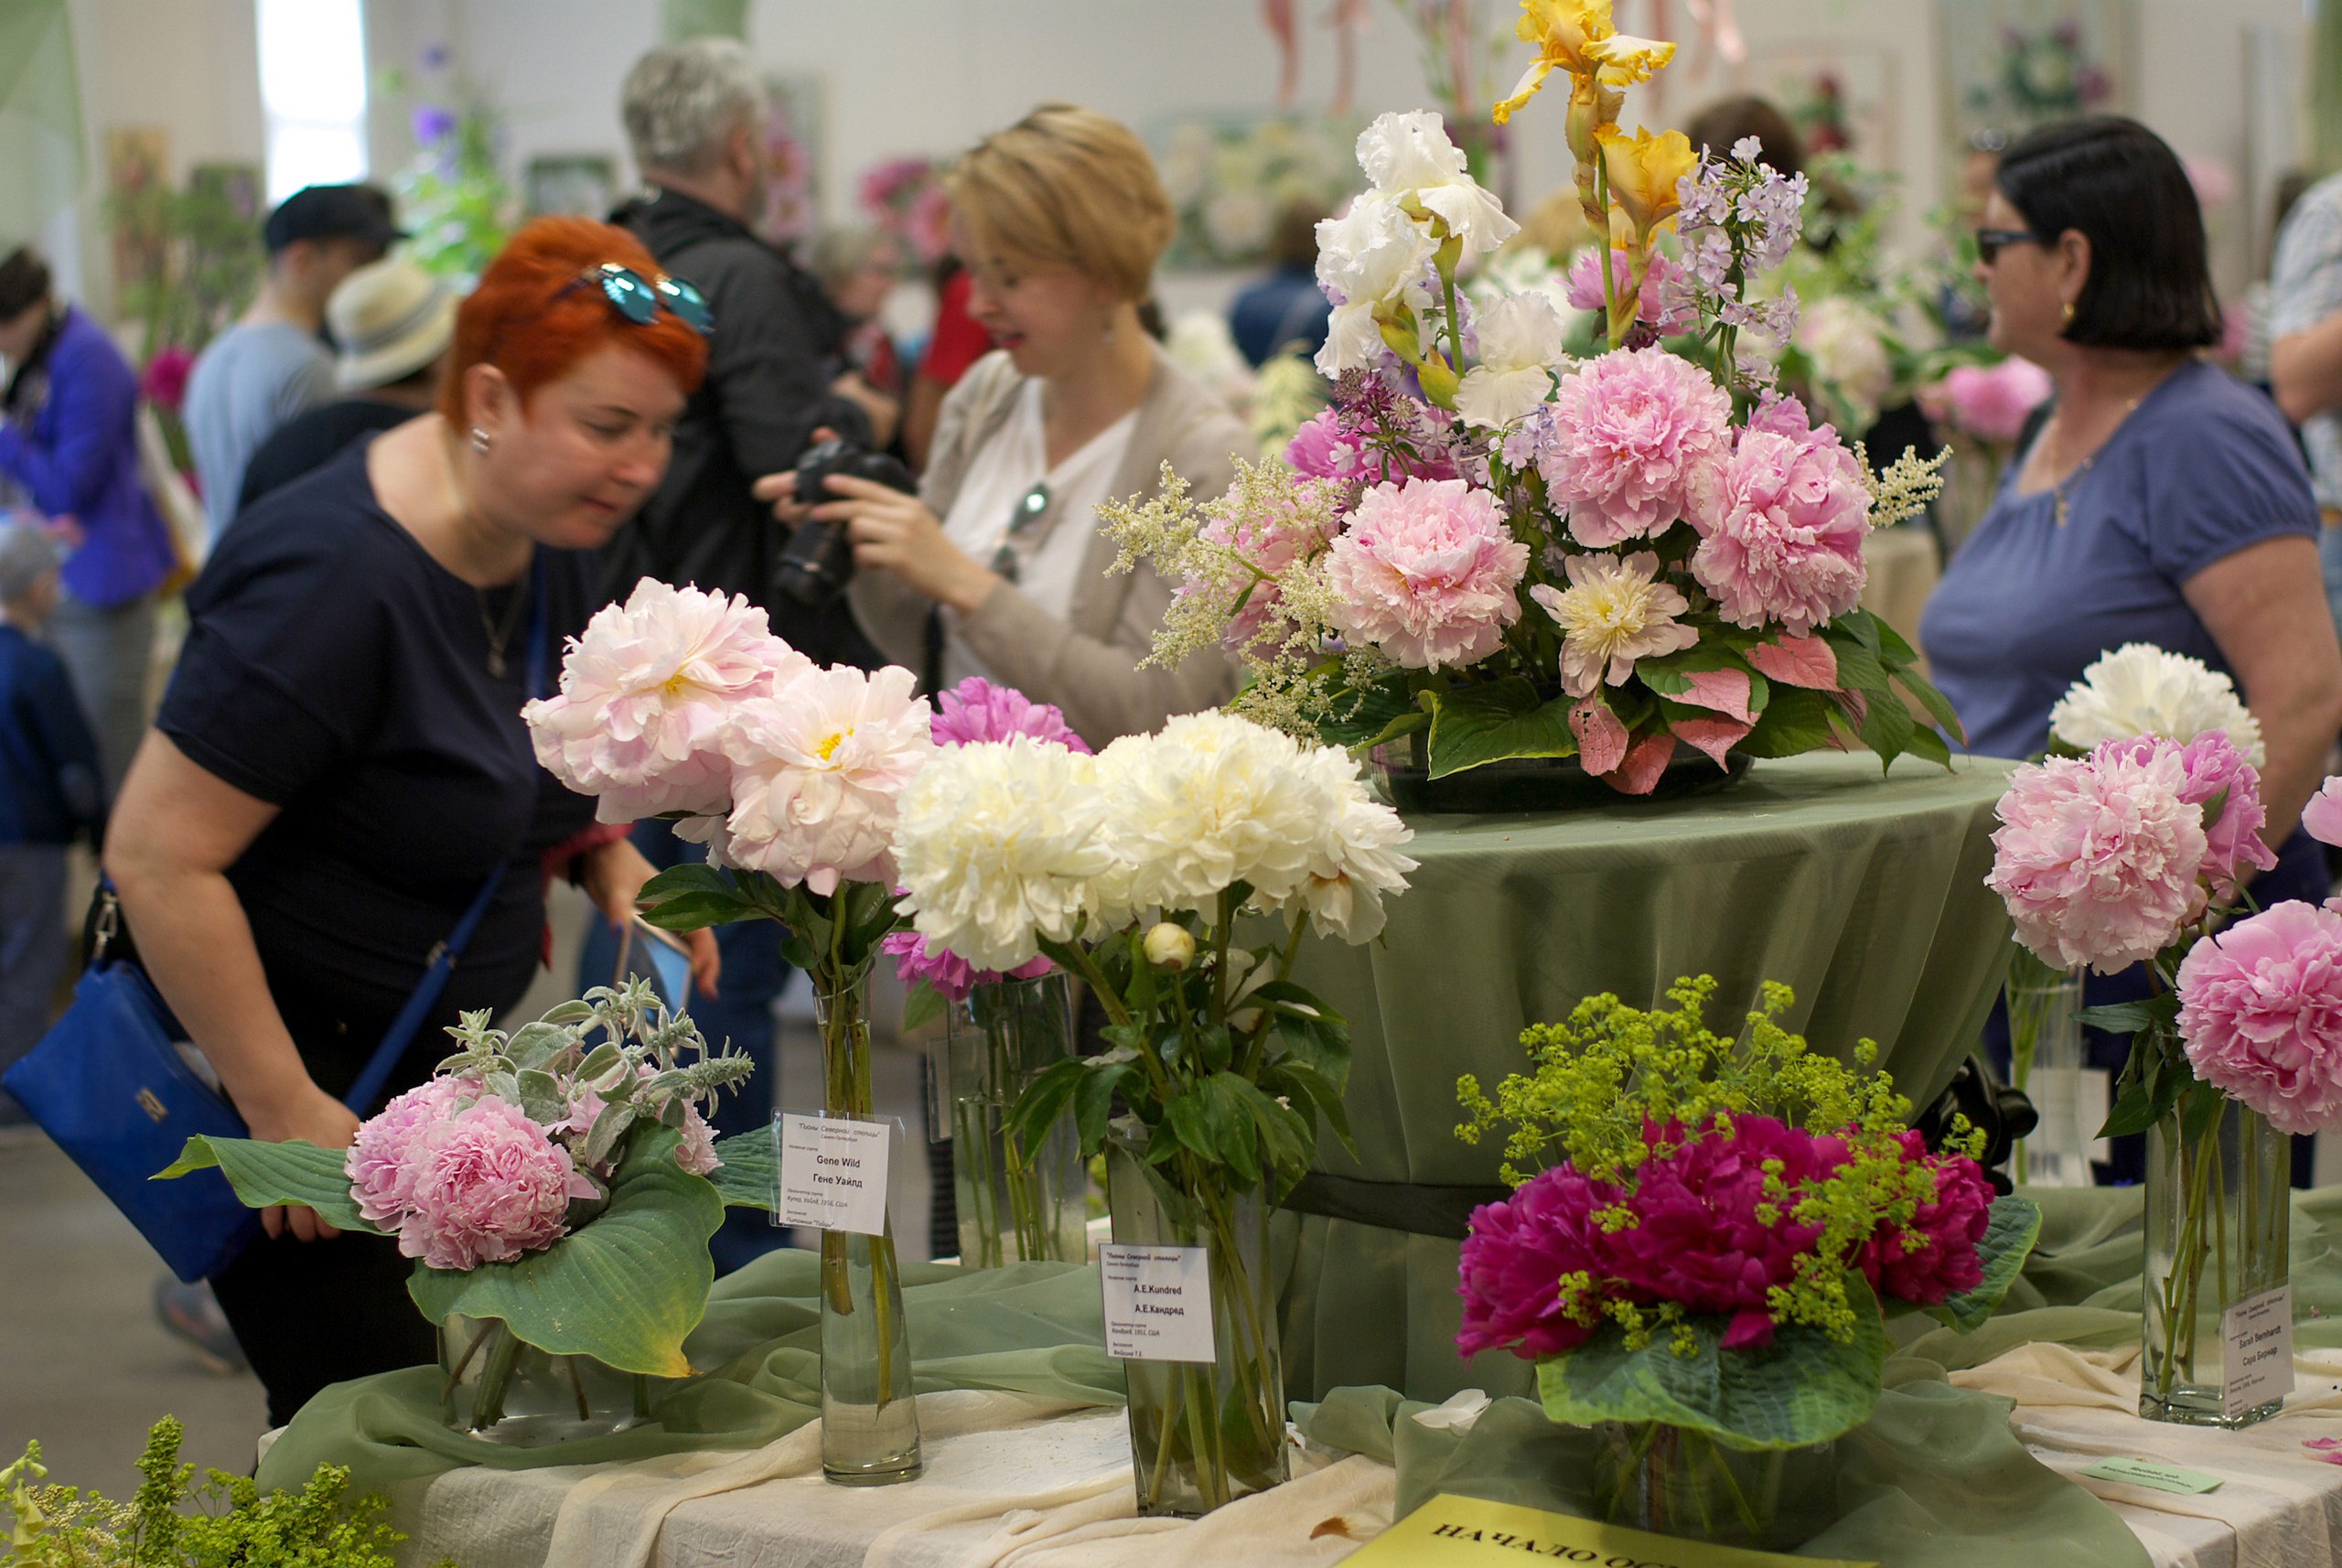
754 975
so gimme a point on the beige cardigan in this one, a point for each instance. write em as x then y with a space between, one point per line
1085 664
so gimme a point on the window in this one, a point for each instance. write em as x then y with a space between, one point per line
313 90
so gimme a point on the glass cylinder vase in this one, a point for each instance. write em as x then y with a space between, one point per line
1673 1480
1204 1434
869 1418
2219 1221
1014 1204
2045 1066
503 1391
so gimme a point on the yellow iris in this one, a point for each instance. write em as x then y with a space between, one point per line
1578 37
1642 171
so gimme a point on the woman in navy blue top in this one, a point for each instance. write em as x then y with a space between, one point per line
340 763
2163 501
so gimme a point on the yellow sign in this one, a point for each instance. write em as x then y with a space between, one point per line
1465 1533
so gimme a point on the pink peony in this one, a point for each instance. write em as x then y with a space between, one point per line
948 974
164 380
1650 308
2323 816
1636 440
1779 414
976 710
1427 572
1786 547
1514 1258
1320 451
696 1153
2261 1015
1613 612
1933 1258
490 1184
649 696
817 773
2098 857
2216 770
1992 402
384 1156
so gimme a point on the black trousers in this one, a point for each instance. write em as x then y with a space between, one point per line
309 1313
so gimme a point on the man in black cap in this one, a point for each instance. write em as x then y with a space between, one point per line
272 364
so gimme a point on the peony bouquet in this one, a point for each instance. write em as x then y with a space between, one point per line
527 1169
1704 1229
1487 550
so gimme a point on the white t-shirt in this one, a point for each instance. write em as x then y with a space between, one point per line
1001 477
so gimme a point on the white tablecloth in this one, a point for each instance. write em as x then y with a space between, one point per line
1013 1482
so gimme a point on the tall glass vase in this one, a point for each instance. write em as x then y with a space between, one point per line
1015 1204
2218 1214
1204 1434
2045 1066
869 1419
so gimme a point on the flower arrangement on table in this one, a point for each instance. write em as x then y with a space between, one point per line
1704 1233
2139 851
556 1187
1490 553
1135 870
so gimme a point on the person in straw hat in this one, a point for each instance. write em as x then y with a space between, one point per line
394 322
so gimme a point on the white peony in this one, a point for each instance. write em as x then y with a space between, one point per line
1847 344
997 844
1522 339
1409 155
1356 860
1209 801
2139 689
817 771
1370 260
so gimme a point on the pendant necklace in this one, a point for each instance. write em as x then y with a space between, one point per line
2063 490
500 636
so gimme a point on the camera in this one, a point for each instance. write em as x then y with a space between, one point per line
816 562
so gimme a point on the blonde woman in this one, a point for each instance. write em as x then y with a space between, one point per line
1060 220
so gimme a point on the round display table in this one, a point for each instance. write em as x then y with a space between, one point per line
1864 895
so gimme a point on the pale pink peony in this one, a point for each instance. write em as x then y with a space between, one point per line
1636 440
384 1156
1787 545
2261 1015
696 1153
2322 818
648 695
1427 572
976 710
490 1184
817 771
2217 771
1992 402
1613 612
2098 857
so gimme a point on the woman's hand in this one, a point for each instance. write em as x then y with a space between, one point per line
312 1116
613 875
895 532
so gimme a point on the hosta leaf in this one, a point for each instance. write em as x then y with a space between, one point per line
2008 1241
1494 723
266 1173
749 1172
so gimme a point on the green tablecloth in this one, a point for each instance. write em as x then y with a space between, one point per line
1865 896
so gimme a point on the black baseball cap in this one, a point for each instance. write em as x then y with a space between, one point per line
331 212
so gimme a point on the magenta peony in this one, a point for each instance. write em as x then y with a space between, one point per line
1427 572
2098 857
1635 440
948 974
2261 1015
1785 545
976 710
1933 1258
816 776
1514 1258
490 1184
649 696
385 1155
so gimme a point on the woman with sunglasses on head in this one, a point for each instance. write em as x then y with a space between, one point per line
340 774
2162 502
1060 220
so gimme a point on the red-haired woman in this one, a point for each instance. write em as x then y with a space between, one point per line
339 763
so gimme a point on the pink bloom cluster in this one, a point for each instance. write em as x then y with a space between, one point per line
2261 1015
1703 1234
976 711
1991 402
1631 442
2102 859
1427 572
466 1177
1784 543
1322 449
1662 285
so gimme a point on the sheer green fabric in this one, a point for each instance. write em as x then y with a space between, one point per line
1035 1328
40 117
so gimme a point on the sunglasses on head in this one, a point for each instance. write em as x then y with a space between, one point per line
640 299
1989 240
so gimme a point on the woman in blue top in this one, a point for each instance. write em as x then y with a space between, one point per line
68 441
2163 501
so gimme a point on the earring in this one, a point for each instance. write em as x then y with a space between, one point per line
2068 315
479 436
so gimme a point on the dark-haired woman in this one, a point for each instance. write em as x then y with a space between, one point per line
2163 501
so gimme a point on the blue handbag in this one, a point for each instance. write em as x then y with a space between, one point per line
110 1085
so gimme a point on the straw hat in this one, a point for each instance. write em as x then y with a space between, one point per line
390 319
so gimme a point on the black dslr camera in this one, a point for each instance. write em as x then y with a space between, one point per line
816 562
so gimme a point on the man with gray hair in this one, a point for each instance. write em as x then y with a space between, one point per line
776 370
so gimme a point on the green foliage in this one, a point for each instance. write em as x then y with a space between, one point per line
2008 1241
263 1174
173 1521
192 258
1475 725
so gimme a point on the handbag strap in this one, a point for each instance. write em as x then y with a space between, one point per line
442 962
